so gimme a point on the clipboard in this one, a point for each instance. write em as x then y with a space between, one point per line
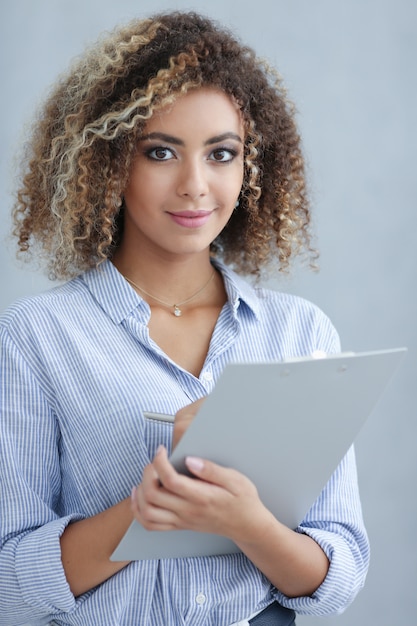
285 425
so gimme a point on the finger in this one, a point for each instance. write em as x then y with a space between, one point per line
162 486
178 490
227 478
150 517
190 410
183 419
148 513
168 476
150 480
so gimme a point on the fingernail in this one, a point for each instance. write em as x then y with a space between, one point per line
133 494
194 464
159 449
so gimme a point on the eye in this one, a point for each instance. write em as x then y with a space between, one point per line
160 153
223 155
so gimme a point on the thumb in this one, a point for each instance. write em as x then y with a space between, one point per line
195 465
209 472
225 477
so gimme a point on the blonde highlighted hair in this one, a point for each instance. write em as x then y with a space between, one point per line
70 204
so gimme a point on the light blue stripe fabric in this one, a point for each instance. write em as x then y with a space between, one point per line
78 369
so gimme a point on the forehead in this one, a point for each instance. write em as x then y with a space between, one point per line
205 109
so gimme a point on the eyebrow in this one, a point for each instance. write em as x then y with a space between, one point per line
178 142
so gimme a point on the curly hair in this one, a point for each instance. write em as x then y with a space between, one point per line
78 159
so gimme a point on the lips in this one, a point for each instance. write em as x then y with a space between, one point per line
190 219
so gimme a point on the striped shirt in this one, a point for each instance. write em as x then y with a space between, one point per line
78 369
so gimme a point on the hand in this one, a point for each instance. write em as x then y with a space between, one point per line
223 501
183 419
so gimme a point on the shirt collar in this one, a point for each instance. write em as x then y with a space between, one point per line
112 292
117 298
238 289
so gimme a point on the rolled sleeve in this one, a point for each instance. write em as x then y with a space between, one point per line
335 522
36 585
32 582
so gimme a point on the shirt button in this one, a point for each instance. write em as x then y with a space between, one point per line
208 376
200 598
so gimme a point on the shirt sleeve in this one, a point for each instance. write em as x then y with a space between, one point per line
32 579
335 522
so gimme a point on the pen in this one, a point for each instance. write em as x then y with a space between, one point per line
159 417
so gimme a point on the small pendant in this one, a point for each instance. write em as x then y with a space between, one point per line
177 311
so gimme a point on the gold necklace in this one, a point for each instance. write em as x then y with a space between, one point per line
176 307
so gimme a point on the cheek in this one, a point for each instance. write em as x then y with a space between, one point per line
142 191
229 181
234 183
240 173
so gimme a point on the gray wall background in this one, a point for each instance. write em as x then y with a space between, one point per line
351 68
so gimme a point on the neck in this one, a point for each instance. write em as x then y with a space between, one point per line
169 280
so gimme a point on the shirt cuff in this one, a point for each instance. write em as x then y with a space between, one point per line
342 583
39 568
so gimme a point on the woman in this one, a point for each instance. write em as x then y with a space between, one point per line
167 151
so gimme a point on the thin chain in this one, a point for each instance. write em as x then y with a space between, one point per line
177 311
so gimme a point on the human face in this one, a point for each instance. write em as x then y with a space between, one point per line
186 177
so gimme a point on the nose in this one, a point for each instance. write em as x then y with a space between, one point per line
192 180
